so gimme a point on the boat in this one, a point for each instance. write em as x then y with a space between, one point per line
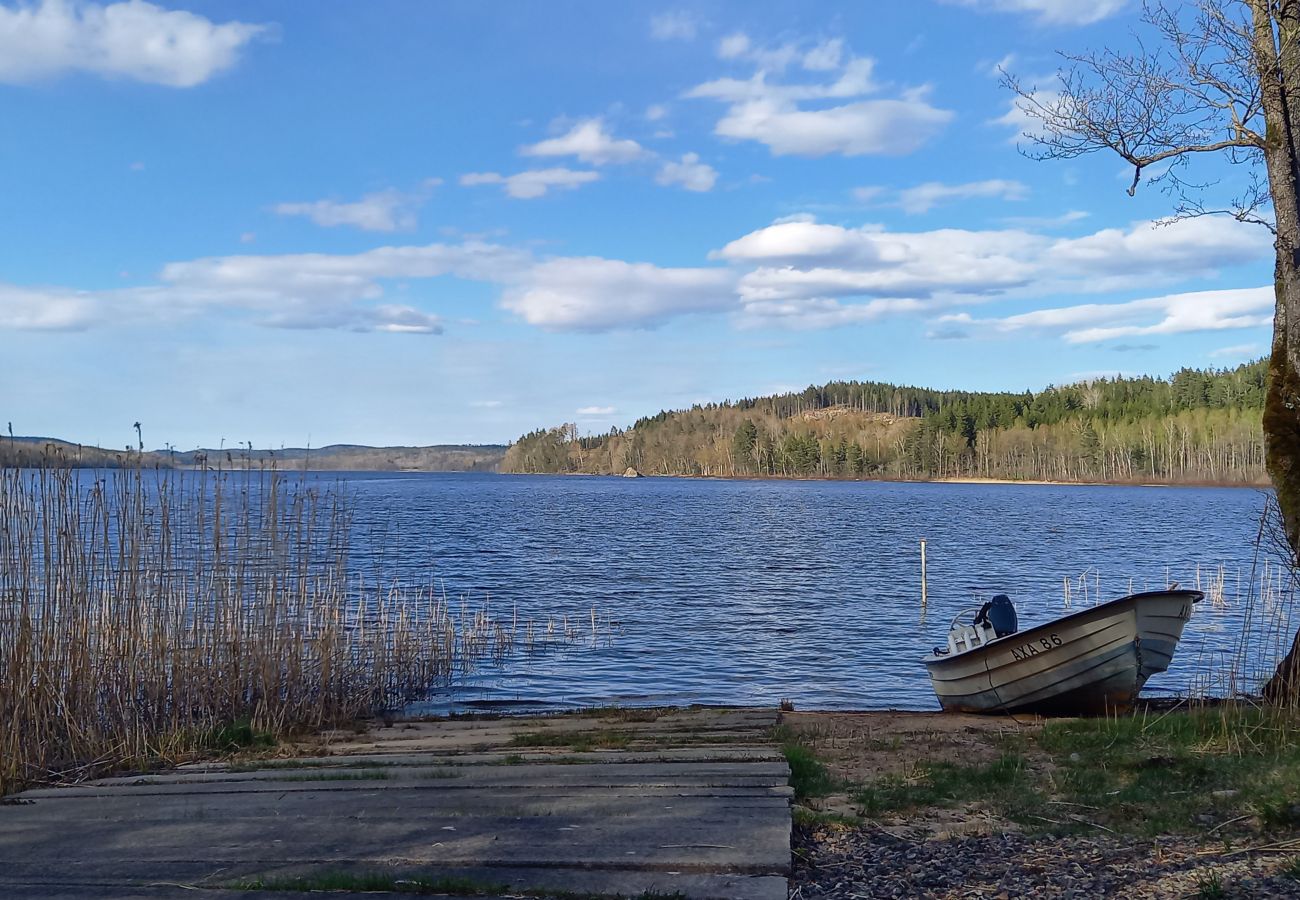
1094 661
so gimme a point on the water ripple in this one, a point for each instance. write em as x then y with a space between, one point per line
752 591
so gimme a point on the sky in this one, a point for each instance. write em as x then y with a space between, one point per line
394 222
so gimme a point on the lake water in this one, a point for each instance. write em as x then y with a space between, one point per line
747 592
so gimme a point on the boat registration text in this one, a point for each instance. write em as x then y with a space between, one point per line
1033 648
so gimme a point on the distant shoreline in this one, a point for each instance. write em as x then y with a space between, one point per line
954 479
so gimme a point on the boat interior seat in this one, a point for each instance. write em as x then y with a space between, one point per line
1000 614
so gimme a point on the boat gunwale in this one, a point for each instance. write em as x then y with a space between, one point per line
931 660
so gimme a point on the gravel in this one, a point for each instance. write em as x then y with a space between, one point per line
839 862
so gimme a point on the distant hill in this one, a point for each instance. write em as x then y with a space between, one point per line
360 458
32 451
27 451
1197 426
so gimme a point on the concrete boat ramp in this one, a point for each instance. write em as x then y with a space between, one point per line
626 803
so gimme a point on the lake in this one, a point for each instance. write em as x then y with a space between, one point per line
748 592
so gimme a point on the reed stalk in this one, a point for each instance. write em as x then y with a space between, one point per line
143 610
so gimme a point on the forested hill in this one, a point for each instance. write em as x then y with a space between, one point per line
1198 426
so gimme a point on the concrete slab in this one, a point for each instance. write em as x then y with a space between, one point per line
515 756
697 822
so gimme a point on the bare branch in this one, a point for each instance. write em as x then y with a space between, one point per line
1198 92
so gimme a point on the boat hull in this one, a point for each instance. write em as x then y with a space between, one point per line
1091 662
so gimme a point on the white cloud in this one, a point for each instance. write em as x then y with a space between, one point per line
867 194
775 113
795 273
1200 245
596 411
690 173
800 267
1066 218
1090 323
885 127
131 39
1052 12
924 197
675 25
1019 118
1239 351
817 313
594 294
825 57
733 46
590 142
389 210
487 404
983 261
307 290
996 68
655 112
532 183
47 309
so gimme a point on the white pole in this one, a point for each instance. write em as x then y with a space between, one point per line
923 588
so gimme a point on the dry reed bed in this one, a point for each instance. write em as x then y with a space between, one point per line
142 610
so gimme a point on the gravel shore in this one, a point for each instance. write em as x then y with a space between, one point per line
838 862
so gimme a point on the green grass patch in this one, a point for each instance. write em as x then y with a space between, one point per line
1174 772
577 741
1005 783
235 737
808 775
1209 886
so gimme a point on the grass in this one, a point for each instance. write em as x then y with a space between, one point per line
1209 886
1229 768
1004 782
808 775
1171 773
577 741
236 737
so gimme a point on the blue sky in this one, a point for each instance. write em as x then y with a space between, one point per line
415 222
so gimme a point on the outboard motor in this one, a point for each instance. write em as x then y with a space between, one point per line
1000 613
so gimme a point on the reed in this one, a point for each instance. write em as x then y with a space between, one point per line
144 610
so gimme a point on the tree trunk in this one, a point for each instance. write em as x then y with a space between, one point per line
1277 54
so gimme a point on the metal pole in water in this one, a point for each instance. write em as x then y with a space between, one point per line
923 589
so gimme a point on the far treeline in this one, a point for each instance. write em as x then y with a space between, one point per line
1198 426
38 452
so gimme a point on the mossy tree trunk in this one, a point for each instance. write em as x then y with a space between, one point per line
1277 55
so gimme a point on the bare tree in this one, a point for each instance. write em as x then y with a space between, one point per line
1223 79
